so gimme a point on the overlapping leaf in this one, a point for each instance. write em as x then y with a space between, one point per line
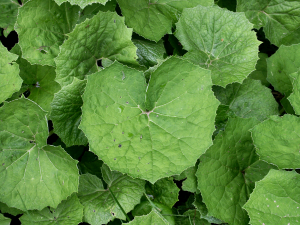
105 36
42 26
279 18
9 74
222 172
38 80
145 131
153 217
219 40
68 212
277 141
153 19
66 113
99 203
280 65
32 174
261 70
294 98
275 199
4 220
249 99
190 180
81 3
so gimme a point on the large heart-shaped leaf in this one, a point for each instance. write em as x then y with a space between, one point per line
149 131
33 175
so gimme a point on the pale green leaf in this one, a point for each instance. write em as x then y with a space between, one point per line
190 182
222 172
294 98
99 204
164 191
66 113
82 3
9 74
153 217
42 26
149 52
153 19
32 174
4 220
68 212
219 40
8 16
261 70
249 99
285 61
38 79
150 131
103 36
279 18
12 211
277 141
275 199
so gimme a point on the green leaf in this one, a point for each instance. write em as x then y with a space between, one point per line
164 191
219 40
89 163
153 217
149 52
279 18
190 182
4 220
222 172
275 199
66 113
32 174
152 131
12 211
261 70
277 141
68 212
9 74
81 3
280 65
42 26
294 98
152 19
8 16
99 205
91 41
38 79
191 217
249 99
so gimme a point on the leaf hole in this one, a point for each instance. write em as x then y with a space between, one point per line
119 145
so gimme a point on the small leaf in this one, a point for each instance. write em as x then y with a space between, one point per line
190 182
153 217
68 212
275 199
261 70
219 40
294 98
4 220
81 3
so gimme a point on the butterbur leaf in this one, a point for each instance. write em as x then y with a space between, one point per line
81 3
190 182
285 61
32 174
38 79
152 19
249 99
279 18
42 26
222 172
66 113
103 36
154 217
68 212
219 40
294 98
9 74
4 220
261 70
164 191
144 130
12 211
149 52
277 141
99 204
275 199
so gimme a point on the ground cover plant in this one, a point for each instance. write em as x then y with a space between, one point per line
150 112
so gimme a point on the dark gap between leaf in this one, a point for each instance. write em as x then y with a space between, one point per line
10 41
99 63
118 10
